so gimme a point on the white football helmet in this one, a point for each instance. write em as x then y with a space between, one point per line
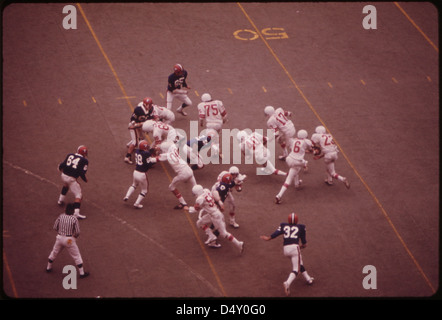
320 129
269 110
241 135
206 97
233 170
165 146
197 190
148 125
302 134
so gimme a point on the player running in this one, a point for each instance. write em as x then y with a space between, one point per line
177 88
293 232
295 161
284 127
327 149
222 190
254 145
206 203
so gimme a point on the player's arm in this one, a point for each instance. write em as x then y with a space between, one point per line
275 234
83 173
217 198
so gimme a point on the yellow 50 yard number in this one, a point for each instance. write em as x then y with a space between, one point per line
268 34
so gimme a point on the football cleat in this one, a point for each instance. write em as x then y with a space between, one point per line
278 200
286 288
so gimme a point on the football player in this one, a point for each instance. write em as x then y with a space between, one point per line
142 112
75 165
139 176
177 88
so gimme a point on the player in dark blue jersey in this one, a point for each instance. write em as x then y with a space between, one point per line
177 88
200 142
75 165
140 178
292 233
142 112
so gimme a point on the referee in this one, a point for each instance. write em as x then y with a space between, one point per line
68 229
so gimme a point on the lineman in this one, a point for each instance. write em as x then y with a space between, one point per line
139 176
74 166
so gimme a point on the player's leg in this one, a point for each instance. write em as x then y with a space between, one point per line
172 187
131 145
186 103
220 225
204 222
288 181
143 182
132 188
297 168
169 99
330 165
292 252
230 202
76 189
63 192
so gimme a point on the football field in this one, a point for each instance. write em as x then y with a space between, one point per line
74 77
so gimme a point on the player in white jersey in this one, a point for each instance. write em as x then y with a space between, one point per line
329 151
295 161
212 112
183 172
283 126
163 114
205 203
254 145
160 131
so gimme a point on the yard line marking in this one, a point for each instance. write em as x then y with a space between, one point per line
212 267
103 53
126 97
417 27
384 212
8 271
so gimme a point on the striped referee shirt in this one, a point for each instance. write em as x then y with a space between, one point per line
67 225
